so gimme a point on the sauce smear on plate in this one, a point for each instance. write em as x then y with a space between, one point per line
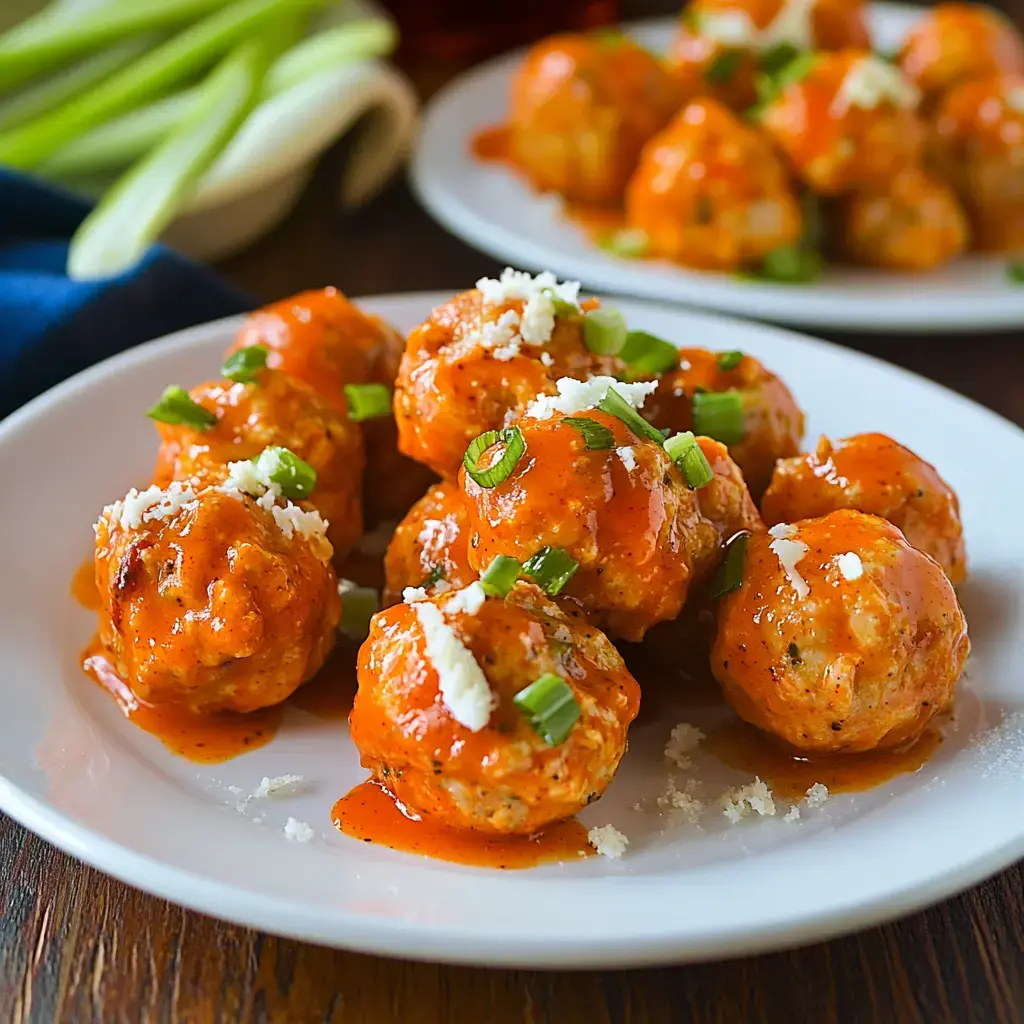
83 587
493 144
205 739
368 812
790 775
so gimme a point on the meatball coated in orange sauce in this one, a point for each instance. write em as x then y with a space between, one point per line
872 473
841 637
716 50
625 514
977 146
502 778
327 342
276 410
911 222
953 43
848 123
456 381
581 109
214 607
772 421
709 192
434 536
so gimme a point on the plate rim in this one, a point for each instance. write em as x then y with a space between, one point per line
908 313
430 941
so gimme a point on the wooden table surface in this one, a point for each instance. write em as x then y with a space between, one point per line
78 946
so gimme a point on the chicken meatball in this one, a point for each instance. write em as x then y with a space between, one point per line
213 601
710 193
954 43
872 473
977 146
623 513
723 44
911 222
431 543
327 342
485 767
581 109
480 359
770 422
276 410
848 122
841 638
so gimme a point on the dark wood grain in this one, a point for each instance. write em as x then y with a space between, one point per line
80 947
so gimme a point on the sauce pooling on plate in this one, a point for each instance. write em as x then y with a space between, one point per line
371 814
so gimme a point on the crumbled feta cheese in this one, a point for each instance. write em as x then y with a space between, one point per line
468 600
547 359
518 284
151 504
608 841
501 337
681 804
413 594
579 395
753 797
243 477
299 831
873 81
735 29
850 565
292 519
793 814
730 28
790 552
683 741
463 685
538 320
628 458
816 795
280 785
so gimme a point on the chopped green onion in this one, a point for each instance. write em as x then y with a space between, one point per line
142 203
176 406
729 360
515 448
626 243
367 401
551 569
596 436
604 330
615 405
1015 272
770 85
500 576
777 57
434 576
647 355
691 460
719 414
294 476
723 68
550 707
610 38
790 264
358 606
562 308
243 366
729 574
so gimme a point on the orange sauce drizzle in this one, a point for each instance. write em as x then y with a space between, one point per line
368 812
790 775
205 739
83 587
493 144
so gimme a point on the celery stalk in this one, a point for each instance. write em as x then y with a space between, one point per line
46 40
142 203
50 93
27 146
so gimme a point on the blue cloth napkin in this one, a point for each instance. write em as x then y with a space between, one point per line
51 326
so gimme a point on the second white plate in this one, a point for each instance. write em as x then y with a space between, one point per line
496 211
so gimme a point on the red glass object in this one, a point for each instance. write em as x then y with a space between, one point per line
467 30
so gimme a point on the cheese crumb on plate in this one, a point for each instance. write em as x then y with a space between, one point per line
608 841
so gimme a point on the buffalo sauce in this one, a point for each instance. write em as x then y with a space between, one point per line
370 813
493 145
790 773
83 586
205 739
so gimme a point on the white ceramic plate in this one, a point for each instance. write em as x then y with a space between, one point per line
495 210
77 773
